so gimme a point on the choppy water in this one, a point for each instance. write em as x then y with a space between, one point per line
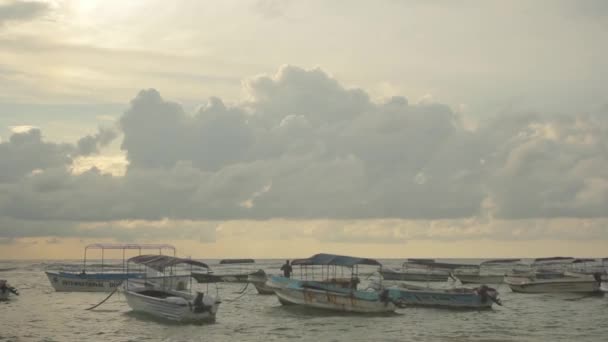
40 314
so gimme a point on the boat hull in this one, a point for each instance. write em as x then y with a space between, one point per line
480 279
204 278
174 310
259 279
94 282
413 276
291 292
565 285
438 298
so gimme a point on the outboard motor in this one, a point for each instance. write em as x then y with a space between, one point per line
598 277
199 304
486 293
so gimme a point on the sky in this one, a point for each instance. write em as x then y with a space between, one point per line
270 129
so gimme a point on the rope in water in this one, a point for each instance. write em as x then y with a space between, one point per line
103 301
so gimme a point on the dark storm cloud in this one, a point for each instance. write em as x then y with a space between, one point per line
21 10
305 147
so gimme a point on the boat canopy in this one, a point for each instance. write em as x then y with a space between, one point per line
160 262
430 263
553 260
583 260
338 260
500 261
236 261
129 246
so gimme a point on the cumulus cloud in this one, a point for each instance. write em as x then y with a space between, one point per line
303 146
14 10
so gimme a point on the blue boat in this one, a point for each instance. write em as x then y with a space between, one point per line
108 279
331 292
482 297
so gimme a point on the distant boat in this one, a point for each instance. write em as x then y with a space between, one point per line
163 298
6 290
104 281
488 272
568 283
259 279
422 270
456 298
331 293
238 271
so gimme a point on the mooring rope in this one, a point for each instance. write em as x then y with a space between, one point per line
103 301
242 293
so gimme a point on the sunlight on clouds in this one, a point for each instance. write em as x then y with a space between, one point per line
115 165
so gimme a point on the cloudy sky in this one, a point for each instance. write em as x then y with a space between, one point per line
262 128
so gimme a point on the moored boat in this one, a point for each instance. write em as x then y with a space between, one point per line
422 270
564 284
331 293
482 297
234 271
105 280
163 299
488 272
259 280
6 290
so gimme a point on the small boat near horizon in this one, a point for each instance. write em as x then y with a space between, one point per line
487 272
235 271
166 299
6 290
567 283
422 270
102 281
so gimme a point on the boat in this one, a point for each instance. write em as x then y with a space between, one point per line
235 271
482 297
488 272
259 279
330 292
423 270
6 290
164 299
567 283
108 278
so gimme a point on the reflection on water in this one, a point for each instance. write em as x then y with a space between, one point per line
40 314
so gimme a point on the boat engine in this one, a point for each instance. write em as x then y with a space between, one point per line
199 304
487 293
598 277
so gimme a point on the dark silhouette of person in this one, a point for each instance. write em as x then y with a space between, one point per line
287 269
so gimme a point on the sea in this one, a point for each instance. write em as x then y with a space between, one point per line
41 314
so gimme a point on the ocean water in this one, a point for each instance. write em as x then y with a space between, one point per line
41 314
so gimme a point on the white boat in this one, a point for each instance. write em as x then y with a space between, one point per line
161 298
331 293
482 297
422 270
104 278
6 290
564 284
233 271
488 272
259 279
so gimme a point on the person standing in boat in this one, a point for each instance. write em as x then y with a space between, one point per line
287 269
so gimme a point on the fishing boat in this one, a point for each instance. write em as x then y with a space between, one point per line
423 270
234 271
259 280
107 279
6 290
331 292
455 298
488 272
164 299
567 283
